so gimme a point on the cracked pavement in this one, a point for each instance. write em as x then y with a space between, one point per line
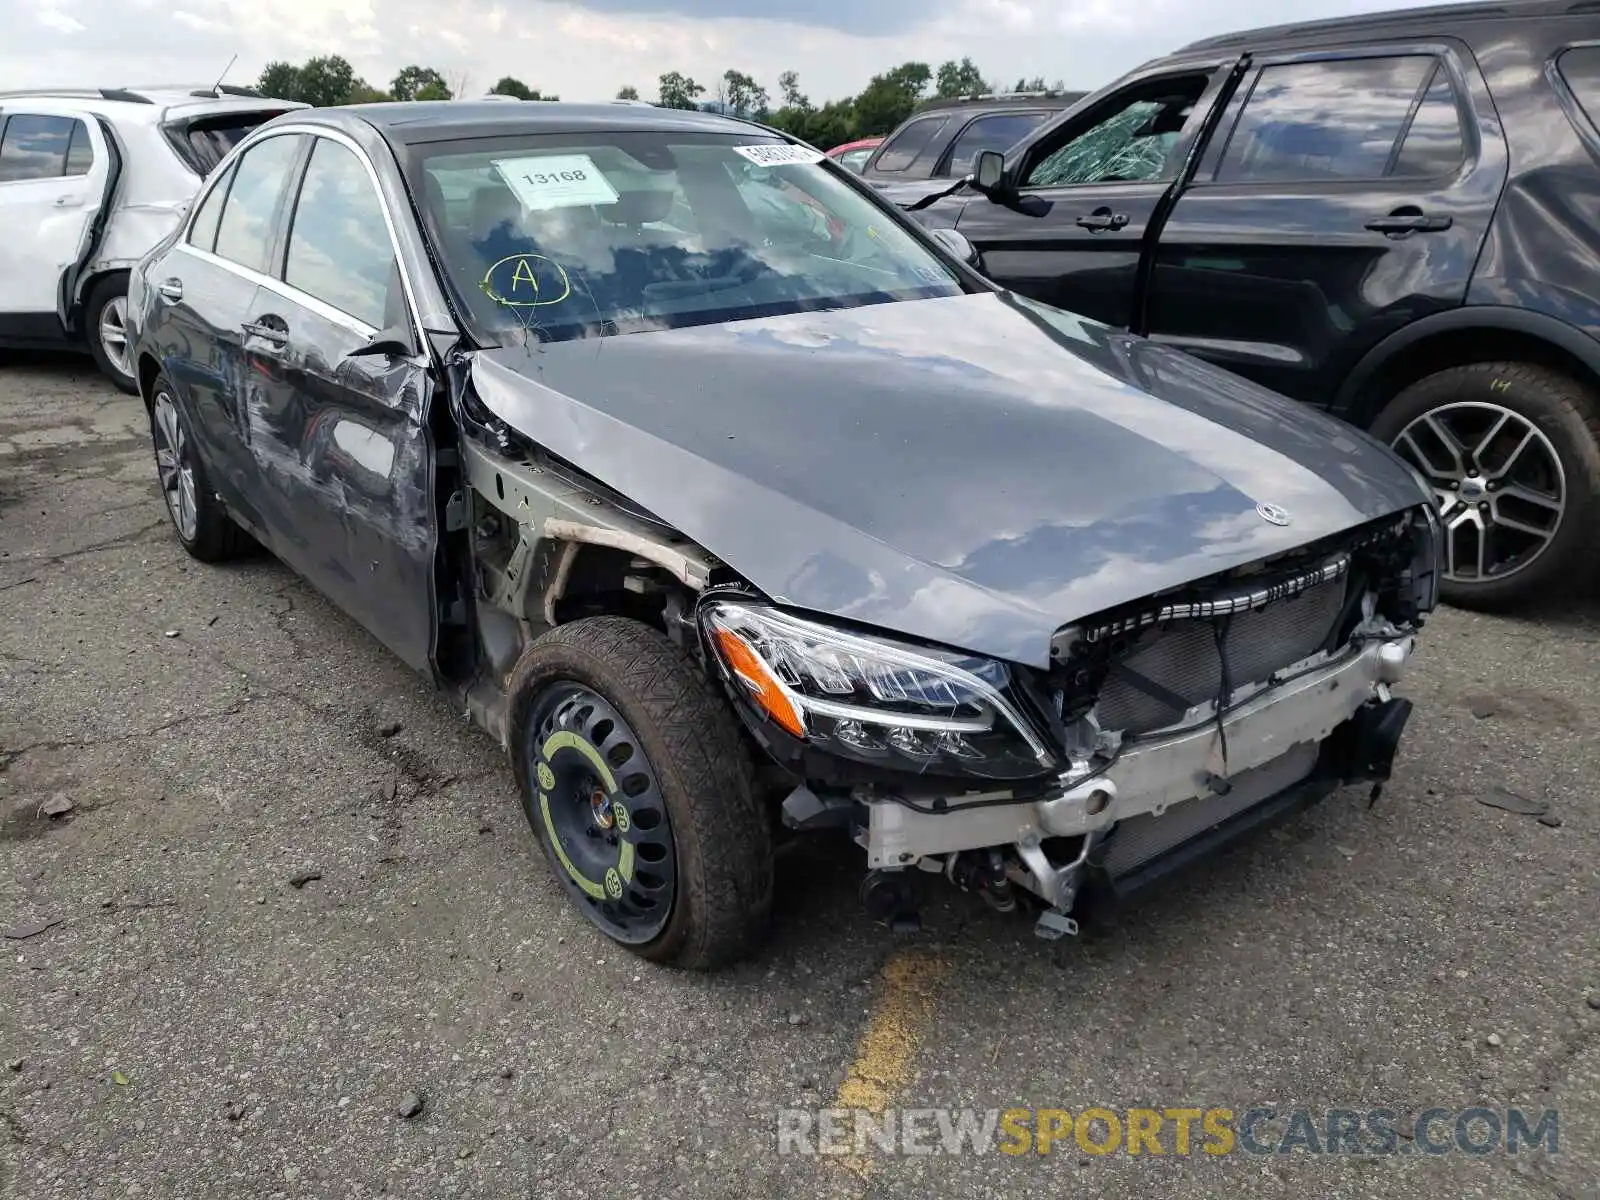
272 924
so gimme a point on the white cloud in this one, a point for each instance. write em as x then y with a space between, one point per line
587 49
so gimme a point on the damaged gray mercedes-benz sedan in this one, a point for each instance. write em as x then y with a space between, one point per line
735 505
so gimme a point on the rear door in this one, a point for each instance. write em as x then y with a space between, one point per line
338 438
1347 193
1086 191
54 168
204 290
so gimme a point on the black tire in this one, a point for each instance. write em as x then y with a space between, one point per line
1566 415
110 293
700 778
214 536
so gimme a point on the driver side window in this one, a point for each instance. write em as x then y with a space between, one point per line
1132 141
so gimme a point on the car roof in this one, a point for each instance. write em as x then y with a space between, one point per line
150 104
1432 16
446 120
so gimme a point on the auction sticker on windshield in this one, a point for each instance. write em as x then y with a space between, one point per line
778 154
556 181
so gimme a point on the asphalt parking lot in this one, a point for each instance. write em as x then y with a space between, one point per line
294 894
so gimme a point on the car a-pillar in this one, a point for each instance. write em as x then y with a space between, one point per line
1504 424
635 776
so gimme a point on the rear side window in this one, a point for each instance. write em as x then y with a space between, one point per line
999 132
204 142
203 233
1580 68
904 148
1312 121
40 147
339 248
245 233
1433 144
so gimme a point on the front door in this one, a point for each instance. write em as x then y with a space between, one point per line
338 437
1345 195
54 168
1085 192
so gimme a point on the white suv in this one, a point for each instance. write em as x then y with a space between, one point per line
90 180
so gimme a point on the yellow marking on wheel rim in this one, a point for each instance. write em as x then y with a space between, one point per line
885 1056
588 885
566 739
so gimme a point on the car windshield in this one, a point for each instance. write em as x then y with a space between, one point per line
583 235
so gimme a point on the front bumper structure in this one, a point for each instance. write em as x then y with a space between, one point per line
1325 721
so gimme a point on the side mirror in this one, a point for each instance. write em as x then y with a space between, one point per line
395 342
989 171
957 244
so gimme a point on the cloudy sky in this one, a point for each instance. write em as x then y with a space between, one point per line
587 49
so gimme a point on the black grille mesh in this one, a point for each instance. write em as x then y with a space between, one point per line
1182 659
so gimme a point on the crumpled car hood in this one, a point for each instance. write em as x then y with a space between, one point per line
975 471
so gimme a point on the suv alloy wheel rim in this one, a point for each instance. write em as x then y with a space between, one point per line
1501 490
175 466
114 334
598 805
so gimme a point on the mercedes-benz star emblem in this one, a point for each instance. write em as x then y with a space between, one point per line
1271 512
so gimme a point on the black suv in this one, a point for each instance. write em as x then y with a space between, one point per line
1395 217
940 141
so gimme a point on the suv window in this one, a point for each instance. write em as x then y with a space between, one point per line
244 235
1132 140
1580 68
203 233
903 149
205 141
1433 144
1334 119
339 248
998 132
40 147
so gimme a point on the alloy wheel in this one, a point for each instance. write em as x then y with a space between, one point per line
1501 489
598 805
175 465
114 334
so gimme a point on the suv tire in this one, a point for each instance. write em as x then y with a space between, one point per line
1548 490
640 789
105 328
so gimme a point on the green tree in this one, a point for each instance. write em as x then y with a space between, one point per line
413 81
511 86
280 80
628 92
326 81
959 79
365 93
789 91
1036 84
742 96
679 91
889 98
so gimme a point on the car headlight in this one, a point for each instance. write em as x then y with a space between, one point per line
876 701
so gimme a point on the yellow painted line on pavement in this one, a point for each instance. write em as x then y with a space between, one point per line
885 1057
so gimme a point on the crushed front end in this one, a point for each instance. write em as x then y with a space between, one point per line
1161 731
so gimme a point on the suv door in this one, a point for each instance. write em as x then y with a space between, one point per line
54 167
338 434
1082 195
1346 194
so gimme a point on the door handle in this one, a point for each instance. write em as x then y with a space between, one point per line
171 289
1102 219
277 335
1409 219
